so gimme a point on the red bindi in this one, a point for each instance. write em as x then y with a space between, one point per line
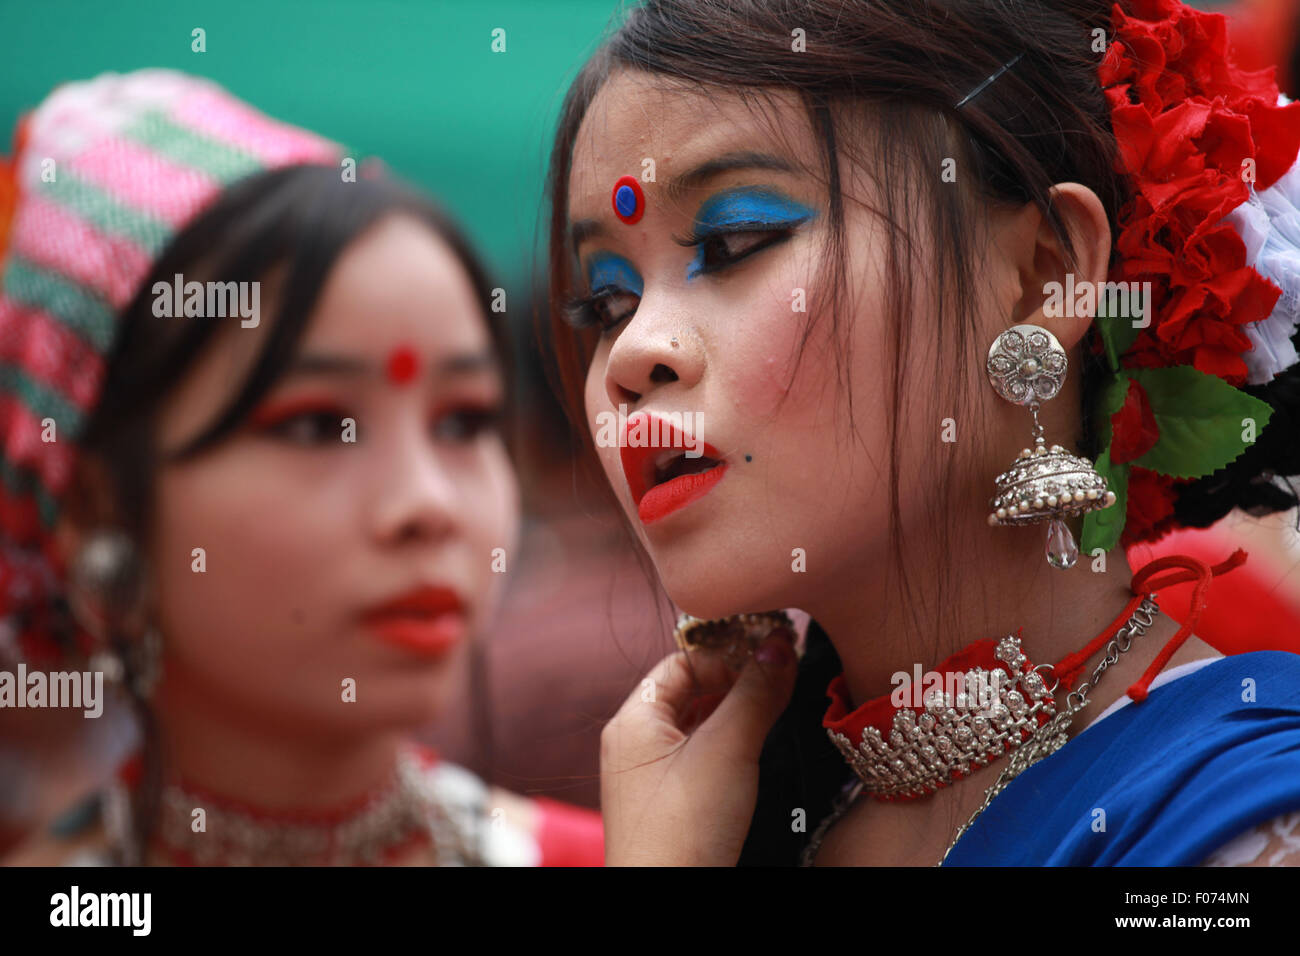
402 365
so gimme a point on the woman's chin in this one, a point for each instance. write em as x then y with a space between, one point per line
414 703
699 603
400 711
379 704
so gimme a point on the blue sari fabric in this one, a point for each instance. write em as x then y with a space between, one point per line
1164 782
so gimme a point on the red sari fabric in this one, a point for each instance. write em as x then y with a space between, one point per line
568 835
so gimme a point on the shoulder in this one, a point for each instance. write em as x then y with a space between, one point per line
1163 782
1223 741
1260 689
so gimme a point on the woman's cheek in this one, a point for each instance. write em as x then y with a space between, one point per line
757 368
238 557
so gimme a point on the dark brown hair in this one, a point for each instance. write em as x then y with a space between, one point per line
886 77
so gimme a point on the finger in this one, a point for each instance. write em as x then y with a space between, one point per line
742 721
714 672
699 710
679 680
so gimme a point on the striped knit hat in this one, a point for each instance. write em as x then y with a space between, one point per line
104 173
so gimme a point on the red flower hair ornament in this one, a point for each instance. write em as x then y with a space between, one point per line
1213 224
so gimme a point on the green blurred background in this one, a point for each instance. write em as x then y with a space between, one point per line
414 82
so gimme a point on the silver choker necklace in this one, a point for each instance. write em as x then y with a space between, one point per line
925 752
202 830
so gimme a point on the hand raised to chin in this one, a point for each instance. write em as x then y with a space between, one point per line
679 761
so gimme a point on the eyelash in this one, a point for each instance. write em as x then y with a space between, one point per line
583 312
482 418
774 236
325 421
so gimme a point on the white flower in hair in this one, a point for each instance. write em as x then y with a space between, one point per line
1269 223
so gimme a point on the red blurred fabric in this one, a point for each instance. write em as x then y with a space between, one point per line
1262 33
1251 609
569 835
566 835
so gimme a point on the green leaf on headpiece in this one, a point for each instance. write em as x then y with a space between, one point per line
1109 401
1201 418
1101 529
1117 333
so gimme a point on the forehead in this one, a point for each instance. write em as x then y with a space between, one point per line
398 282
638 116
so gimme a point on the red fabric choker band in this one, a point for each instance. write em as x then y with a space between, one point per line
879 712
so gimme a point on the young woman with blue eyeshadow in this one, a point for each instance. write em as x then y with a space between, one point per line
809 252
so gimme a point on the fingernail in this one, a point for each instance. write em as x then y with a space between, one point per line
775 652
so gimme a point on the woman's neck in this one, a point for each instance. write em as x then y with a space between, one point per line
212 746
1004 584
998 589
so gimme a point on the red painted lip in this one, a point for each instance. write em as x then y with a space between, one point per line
426 620
654 501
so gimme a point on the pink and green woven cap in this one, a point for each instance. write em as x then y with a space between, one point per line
105 173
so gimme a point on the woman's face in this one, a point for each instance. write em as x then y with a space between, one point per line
305 533
802 499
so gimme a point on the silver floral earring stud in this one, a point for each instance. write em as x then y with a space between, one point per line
1027 366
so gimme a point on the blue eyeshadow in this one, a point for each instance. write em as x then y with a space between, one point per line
608 271
745 206
748 205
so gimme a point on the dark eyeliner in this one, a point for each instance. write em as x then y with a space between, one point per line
697 239
699 236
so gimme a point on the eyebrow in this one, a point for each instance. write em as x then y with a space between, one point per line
675 189
463 365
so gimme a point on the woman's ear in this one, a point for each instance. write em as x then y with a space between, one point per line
1046 273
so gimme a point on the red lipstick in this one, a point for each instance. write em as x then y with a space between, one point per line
660 481
428 620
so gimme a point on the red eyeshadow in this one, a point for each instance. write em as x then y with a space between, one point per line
275 412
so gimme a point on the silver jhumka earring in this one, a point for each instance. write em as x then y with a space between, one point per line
105 594
1027 365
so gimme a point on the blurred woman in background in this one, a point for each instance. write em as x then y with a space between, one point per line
252 460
